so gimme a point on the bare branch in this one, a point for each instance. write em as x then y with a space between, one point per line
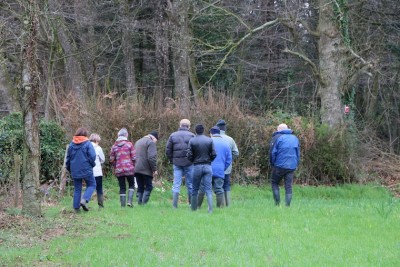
306 59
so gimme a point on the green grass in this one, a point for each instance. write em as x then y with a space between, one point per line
325 226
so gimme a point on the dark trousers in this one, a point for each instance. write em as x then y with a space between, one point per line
144 182
99 185
122 183
278 174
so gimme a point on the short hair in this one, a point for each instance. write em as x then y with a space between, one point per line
282 126
184 123
199 129
123 132
82 131
94 137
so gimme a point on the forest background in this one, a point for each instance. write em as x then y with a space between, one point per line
329 69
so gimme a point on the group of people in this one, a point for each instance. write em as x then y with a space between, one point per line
203 162
84 159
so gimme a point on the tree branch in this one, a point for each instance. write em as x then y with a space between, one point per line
306 59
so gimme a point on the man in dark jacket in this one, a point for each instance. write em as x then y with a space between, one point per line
284 158
145 165
176 151
79 162
201 152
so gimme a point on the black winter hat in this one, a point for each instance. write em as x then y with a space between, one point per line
215 130
154 133
221 124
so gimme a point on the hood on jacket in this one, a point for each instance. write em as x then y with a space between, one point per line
79 139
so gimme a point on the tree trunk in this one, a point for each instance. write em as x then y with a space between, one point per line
162 49
29 103
127 47
74 78
332 68
180 42
8 102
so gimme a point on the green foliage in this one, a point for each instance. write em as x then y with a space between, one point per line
328 161
52 147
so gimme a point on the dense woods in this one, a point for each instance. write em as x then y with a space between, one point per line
146 64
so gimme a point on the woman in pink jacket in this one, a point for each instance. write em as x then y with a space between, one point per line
122 158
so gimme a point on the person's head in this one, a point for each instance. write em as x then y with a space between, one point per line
215 130
185 123
221 124
154 135
95 138
123 132
199 129
282 127
82 132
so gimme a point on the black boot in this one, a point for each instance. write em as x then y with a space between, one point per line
122 198
200 200
131 192
288 199
139 198
175 197
193 203
277 197
220 200
100 200
146 196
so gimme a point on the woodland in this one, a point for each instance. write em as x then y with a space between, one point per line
330 69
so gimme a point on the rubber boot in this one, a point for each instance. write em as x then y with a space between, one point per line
277 197
122 198
227 195
139 198
209 202
175 198
220 200
200 198
288 199
100 200
131 192
193 203
146 196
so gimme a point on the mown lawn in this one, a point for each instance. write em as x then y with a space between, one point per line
325 226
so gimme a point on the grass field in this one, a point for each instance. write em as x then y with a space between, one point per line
325 226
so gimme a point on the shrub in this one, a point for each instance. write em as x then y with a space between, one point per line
52 147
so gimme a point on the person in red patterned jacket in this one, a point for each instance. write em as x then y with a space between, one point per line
122 158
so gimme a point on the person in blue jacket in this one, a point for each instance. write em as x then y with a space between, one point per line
220 164
80 161
284 157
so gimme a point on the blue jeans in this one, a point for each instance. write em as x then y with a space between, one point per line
218 184
227 182
90 187
179 172
202 179
286 174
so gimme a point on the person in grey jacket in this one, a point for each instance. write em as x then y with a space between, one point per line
146 165
201 152
176 151
221 124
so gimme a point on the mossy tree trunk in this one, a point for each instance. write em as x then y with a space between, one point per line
29 97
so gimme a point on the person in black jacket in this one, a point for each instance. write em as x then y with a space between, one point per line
176 151
201 152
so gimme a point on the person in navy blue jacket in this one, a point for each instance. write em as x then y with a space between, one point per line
284 157
80 161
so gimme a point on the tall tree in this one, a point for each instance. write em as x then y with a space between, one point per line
29 97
